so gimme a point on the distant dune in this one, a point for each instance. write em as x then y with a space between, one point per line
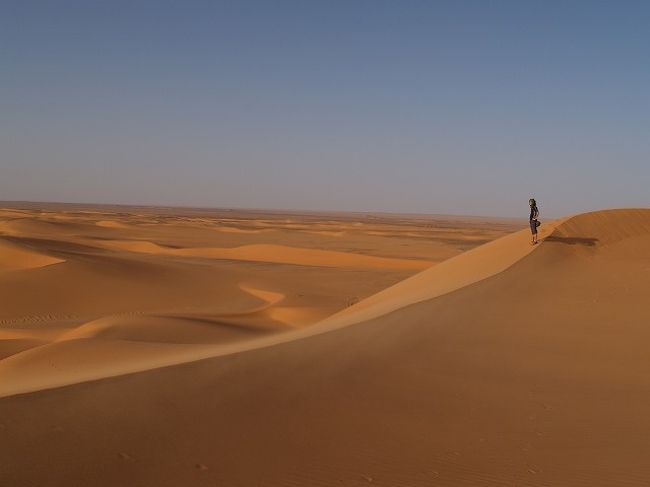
278 254
136 290
15 257
508 364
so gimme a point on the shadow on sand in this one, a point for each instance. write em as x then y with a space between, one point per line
586 241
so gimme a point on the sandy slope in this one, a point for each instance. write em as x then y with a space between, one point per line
50 366
278 254
14 257
535 376
172 276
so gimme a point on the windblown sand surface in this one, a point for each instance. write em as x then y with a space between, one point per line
506 364
93 292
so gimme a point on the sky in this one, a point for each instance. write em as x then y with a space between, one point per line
447 107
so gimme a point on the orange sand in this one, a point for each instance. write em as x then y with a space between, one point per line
507 364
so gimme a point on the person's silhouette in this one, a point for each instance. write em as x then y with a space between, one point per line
534 223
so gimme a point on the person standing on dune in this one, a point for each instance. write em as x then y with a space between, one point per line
534 223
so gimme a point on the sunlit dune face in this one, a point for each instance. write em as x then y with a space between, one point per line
80 277
286 358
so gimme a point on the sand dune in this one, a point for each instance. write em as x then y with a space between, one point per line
465 269
239 230
14 257
107 346
327 233
80 358
32 227
269 297
175 292
110 224
506 365
13 346
450 275
278 254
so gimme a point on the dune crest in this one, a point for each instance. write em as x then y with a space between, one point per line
517 365
460 271
110 224
226 229
14 257
269 297
467 268
279 254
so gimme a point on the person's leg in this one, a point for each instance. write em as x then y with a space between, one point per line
533 232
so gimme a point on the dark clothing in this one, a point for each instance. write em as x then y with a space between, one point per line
534 213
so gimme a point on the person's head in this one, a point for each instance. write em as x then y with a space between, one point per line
532 202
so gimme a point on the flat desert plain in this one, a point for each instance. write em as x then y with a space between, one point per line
175 347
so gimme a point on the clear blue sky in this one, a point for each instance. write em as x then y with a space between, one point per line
465 107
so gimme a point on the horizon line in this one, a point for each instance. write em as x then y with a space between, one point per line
258 209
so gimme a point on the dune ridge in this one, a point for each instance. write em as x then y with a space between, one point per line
534 376
462 270
279 254
168 292
14 257
113 345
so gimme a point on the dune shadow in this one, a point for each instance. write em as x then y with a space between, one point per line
51 245
586 241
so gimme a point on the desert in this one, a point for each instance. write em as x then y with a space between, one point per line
473 360
325 244
156 285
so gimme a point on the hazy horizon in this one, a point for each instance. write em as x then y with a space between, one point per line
25 204
449 108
